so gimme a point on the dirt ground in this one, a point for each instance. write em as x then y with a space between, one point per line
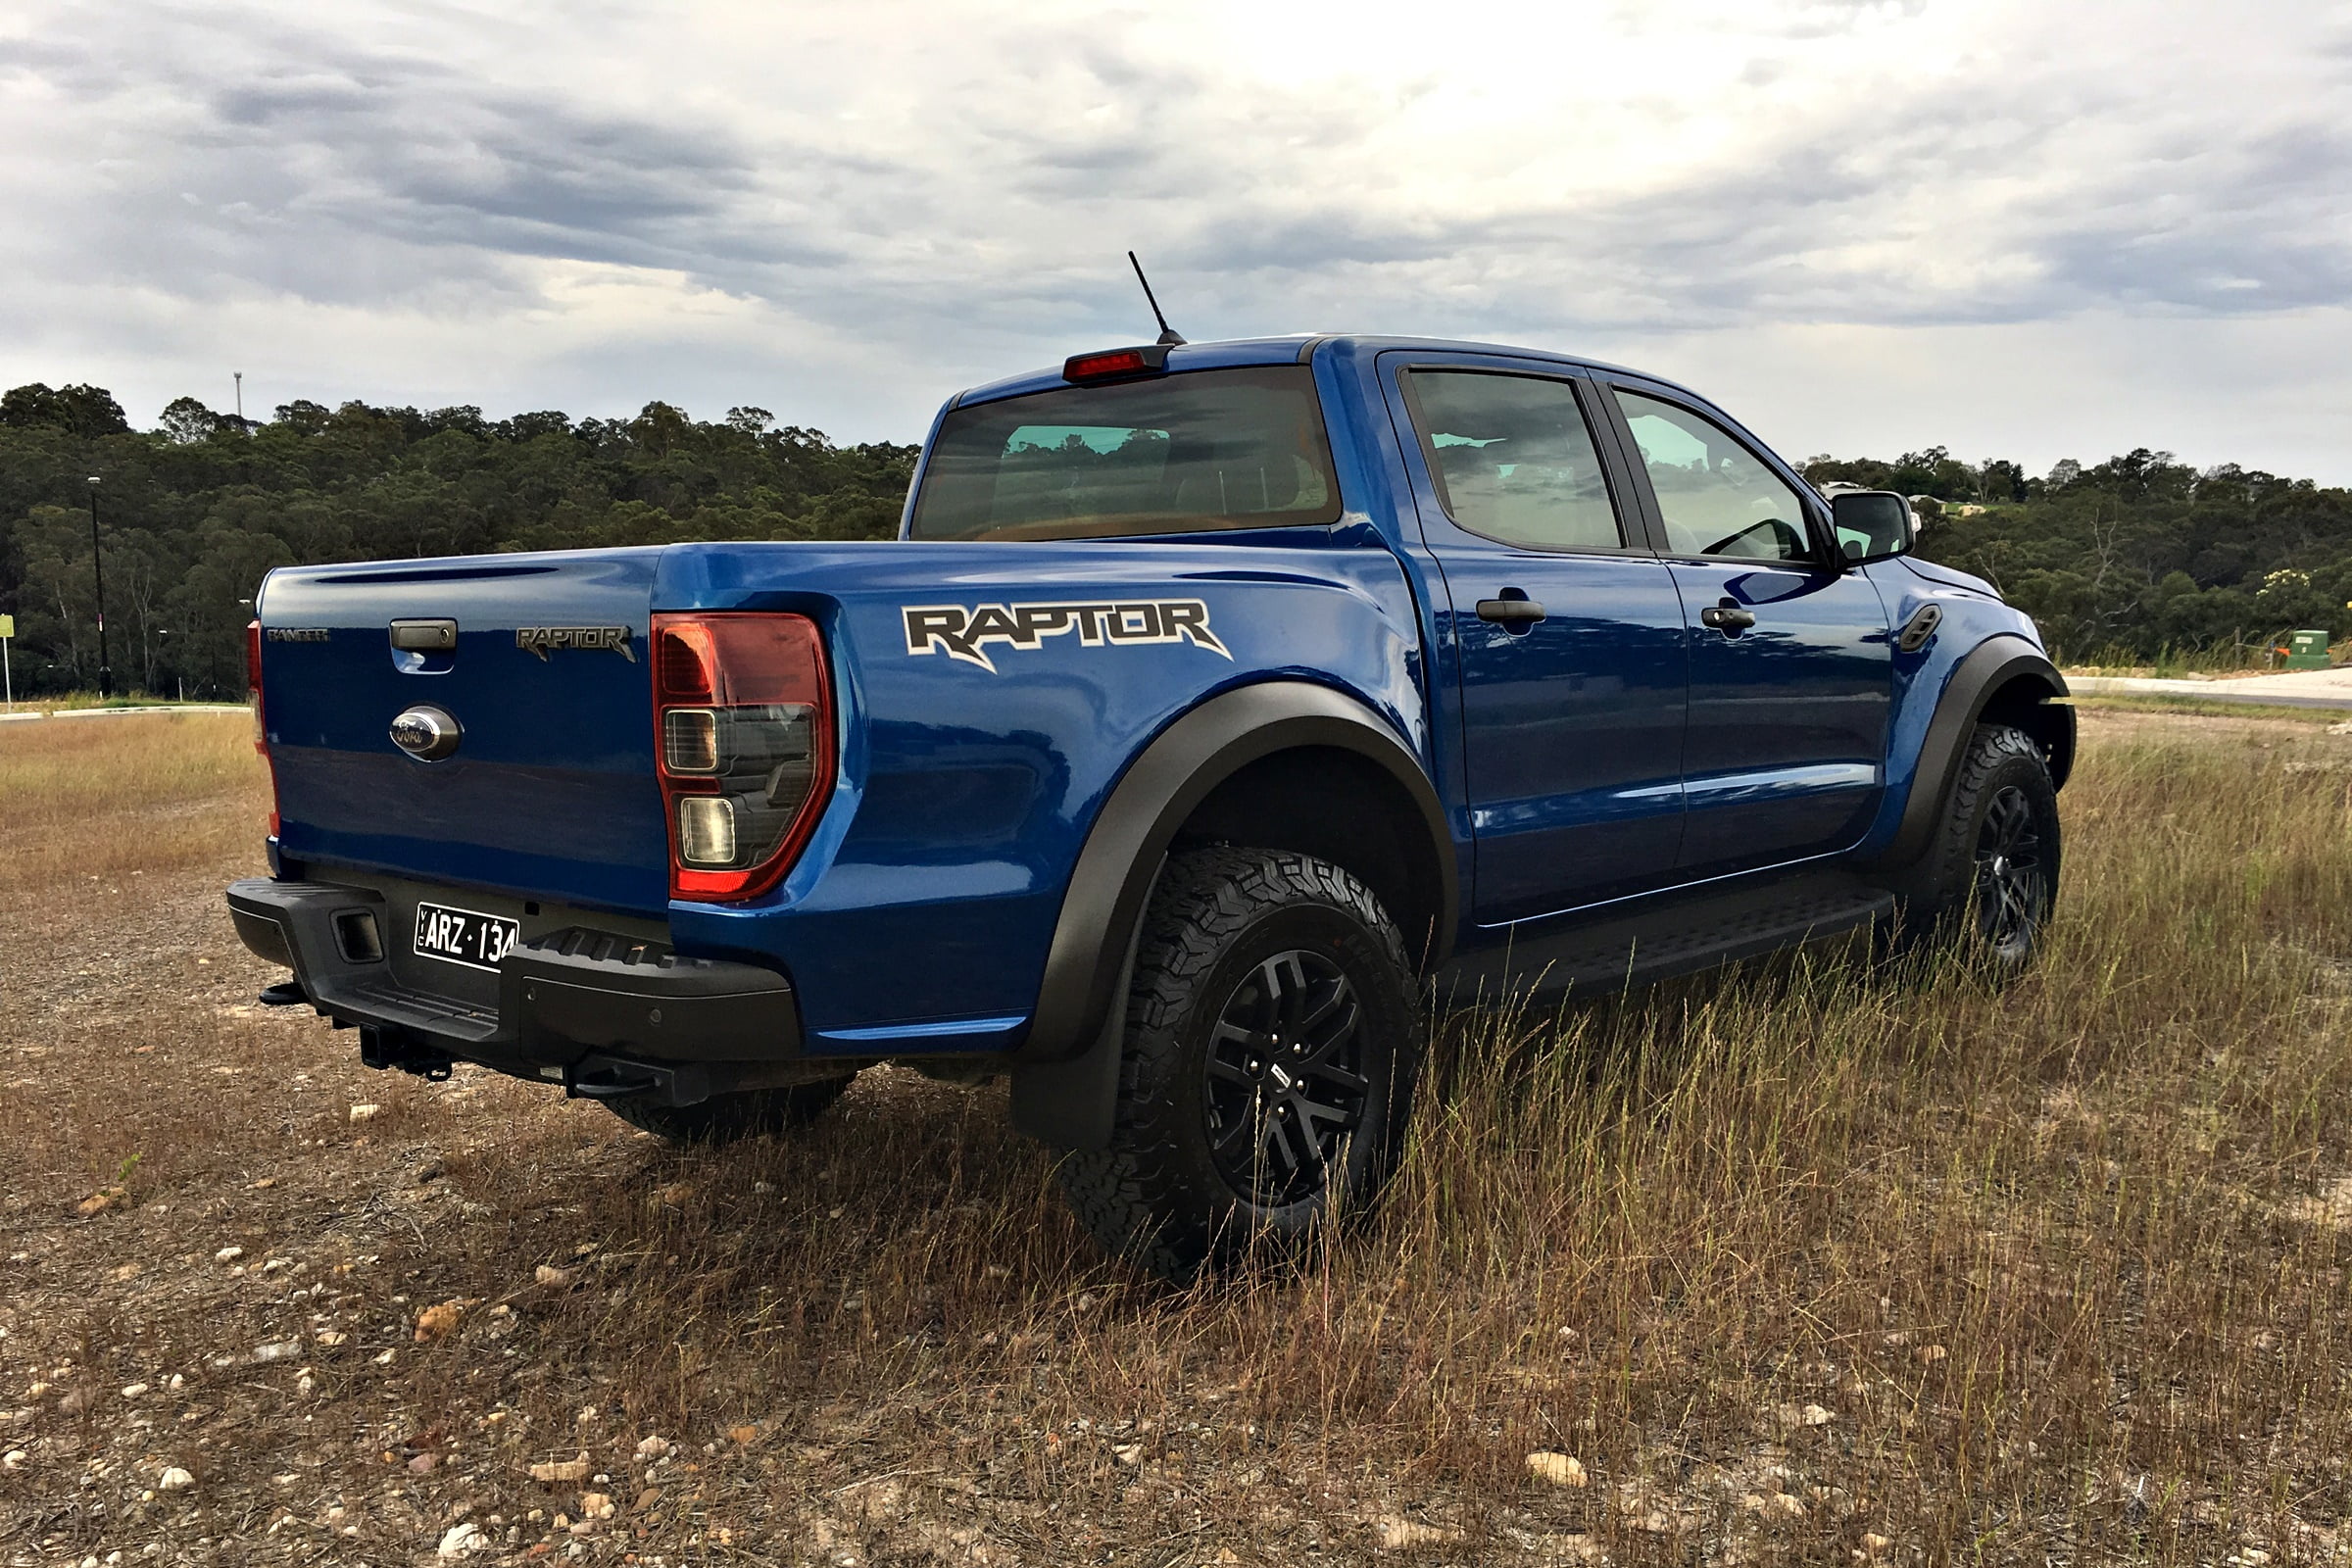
258 1303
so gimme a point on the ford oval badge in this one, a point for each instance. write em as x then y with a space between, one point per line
426 733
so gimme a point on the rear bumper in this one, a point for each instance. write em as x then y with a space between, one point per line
573 1003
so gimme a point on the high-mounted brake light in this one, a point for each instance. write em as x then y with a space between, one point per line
260 726
743 736
1116 364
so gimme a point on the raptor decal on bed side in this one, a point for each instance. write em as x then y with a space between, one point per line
963 631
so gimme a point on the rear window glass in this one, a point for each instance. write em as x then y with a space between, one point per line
1179 454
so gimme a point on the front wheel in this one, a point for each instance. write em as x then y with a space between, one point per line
1273 1033
1988 882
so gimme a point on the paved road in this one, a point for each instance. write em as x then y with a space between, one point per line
2308 688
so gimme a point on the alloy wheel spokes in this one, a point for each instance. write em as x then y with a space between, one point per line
1286 1079
2008 870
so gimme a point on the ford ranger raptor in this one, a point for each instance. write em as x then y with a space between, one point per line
1219 710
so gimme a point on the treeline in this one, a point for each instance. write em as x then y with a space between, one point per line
2139 556
2140 553
193 514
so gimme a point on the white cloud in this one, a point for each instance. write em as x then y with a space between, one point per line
842 212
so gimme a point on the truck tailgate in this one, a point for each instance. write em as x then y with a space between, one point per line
551 789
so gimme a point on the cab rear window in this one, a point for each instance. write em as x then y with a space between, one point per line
1181 454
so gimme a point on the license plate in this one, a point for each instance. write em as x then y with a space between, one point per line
463 936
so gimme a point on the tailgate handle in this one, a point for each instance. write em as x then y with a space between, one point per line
424 636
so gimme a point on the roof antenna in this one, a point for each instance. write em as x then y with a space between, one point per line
1168 334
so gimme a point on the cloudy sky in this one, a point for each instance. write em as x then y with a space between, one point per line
2014 227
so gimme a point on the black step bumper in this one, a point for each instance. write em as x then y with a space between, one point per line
573 1003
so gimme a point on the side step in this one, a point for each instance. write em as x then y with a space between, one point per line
1668 935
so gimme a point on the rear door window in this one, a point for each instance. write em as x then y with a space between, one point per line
1513 459
1179 454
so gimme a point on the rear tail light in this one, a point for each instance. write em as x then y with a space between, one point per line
743 722
260 727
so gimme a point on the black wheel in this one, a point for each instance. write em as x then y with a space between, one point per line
1273 1028
726 1118
1990 879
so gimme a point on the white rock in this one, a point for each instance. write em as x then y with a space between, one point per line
13 1459
276 1350
463 1539
229 1255
384 1359
1560 1469
1396 1533
175 1480
132 1390
653 1447
363 1113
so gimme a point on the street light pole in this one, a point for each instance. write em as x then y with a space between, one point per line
106 675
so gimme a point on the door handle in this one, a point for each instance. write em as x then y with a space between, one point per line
1510 611
1727 617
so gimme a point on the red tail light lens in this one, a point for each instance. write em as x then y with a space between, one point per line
260 727
687 660
743 734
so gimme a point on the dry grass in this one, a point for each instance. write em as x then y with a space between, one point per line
118 795
1800 1265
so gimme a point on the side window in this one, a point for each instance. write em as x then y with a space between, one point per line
1717 497
1513 459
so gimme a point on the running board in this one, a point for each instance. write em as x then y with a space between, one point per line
1669 935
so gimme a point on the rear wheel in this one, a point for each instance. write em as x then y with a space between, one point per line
728 1118
1273 1033
1988 885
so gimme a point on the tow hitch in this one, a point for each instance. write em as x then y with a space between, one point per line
610 1078
381 1047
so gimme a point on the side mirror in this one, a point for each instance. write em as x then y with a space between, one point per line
1870 525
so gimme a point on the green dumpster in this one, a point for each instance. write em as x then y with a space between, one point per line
2307 650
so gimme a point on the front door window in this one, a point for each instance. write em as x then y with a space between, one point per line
1717 498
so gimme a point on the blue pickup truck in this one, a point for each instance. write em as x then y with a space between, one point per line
1221 710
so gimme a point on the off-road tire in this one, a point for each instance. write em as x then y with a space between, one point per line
1233 937
1968 897
729 1118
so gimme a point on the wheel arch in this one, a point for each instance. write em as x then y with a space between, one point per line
2004 679
1254 747
1244 766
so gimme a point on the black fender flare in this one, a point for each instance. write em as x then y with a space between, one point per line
1065 1071
1990 667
